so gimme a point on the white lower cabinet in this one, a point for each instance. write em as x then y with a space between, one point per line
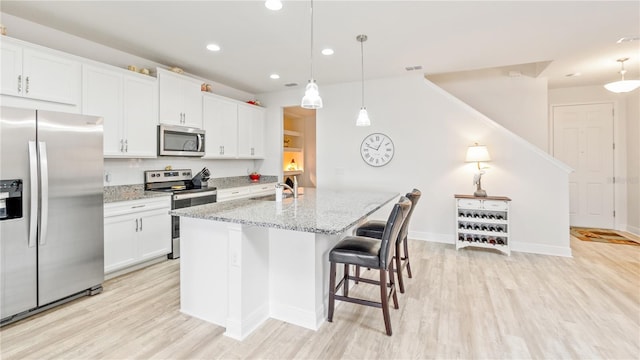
136 231
245 192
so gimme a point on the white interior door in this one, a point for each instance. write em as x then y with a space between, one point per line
583 139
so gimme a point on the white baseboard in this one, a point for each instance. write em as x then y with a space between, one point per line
541 249
633 229
517 247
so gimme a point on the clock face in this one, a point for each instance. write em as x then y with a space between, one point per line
377 149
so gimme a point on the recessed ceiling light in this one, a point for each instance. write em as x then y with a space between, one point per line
213 47
274 76
327 51
573 74
274 5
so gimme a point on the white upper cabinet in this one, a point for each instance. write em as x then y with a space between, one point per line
39 74
128 105
234 130
180 100
220 120
250 131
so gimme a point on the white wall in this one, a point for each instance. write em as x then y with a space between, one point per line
431 131
633 162
130 171
519 103
598 94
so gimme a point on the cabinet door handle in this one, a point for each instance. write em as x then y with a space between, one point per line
27 86
140 224
126 146
121 145
136 225
253 152
19 83
221 150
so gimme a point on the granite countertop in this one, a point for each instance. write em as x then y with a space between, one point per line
319 211
128 192
238 181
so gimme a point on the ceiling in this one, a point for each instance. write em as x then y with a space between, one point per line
440 36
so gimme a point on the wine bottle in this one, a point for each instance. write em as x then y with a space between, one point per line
491 216
469 238
461 214
476 227
483 239
484 228
476 238
483 216
461 237
492 228
499 217
500 241
492 241
469 226
461 226
476 215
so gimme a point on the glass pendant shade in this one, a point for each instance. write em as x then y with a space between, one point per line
622 86
363 118
311 99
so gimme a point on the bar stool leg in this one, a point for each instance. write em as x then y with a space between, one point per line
398 261
406 256
384 299
332 291
345 290
392 286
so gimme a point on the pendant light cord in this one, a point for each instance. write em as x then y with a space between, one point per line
362 67
311 49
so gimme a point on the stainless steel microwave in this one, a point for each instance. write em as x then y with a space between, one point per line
180 141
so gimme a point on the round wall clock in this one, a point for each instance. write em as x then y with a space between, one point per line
377 149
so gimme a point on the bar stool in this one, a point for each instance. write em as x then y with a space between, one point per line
374 229
374 254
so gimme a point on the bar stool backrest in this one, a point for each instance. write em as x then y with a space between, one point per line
392 229
414 196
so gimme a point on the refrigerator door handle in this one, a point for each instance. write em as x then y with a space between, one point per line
44 192
33 210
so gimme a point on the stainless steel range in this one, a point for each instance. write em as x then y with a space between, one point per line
186 193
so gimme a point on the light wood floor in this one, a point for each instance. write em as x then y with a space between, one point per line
466 304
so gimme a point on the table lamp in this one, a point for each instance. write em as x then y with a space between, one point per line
478 153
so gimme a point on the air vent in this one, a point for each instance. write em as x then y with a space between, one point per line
412 68
291 84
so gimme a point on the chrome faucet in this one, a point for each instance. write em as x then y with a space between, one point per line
293 190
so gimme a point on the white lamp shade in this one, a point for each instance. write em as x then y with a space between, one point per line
363 118
622 86
311 99
477 153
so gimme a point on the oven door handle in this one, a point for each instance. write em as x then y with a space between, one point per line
194 195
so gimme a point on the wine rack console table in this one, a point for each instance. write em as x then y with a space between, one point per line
483 222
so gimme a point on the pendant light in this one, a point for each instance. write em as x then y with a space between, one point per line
363 116
311 99
623 85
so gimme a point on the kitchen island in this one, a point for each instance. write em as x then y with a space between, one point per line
247 260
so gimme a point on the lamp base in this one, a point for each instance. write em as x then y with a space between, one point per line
480 193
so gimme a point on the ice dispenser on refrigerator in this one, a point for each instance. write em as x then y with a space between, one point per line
10 199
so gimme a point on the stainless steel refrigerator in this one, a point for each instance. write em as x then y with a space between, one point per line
51 210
